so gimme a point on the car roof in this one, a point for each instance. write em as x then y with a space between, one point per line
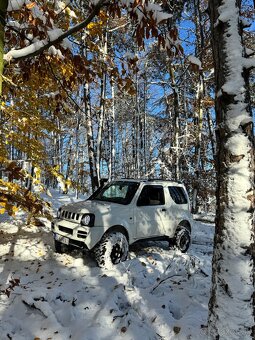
151 181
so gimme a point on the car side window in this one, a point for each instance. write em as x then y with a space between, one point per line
151 195
178 195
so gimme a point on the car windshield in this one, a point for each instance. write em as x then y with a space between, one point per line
117 192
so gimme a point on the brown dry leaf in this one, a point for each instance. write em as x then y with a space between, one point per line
177 329
123 329
31 5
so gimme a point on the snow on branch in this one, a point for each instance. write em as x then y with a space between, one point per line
141 8
15 5
195 61
54 38
146 15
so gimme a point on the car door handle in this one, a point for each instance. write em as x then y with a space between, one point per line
163 209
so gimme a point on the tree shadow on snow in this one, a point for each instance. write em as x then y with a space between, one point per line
68 296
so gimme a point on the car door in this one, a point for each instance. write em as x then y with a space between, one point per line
150 212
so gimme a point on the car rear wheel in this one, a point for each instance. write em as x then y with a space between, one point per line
112 249
182 239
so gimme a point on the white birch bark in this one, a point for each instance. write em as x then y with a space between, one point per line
231 307
102 108
199 100
112 134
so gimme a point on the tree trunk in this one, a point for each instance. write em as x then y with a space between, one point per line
69 164
59 156
76 161
101 116
145 144
100 125
198 146
210 130
112 134
231 306
176 124
200 94
3 10
90 138
137 130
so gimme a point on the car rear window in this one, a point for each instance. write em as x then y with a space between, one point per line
178 195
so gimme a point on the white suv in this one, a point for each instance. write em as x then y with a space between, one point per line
123 212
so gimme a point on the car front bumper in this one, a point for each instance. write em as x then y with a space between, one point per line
78 235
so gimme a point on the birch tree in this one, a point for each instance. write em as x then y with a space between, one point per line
3 9
231 307
200 94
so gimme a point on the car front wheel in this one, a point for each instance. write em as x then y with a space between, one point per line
112 249
59 247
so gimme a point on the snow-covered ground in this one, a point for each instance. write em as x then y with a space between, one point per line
156 294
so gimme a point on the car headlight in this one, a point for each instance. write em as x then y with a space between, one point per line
59 212
88 220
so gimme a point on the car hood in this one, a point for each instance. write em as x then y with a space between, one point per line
93 207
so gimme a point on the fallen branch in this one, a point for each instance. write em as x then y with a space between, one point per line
163 280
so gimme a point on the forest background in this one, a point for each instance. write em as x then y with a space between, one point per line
104 104
107 102
95 89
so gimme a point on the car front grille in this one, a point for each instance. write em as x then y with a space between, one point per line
68 215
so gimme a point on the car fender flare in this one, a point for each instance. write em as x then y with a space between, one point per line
185 224
120 229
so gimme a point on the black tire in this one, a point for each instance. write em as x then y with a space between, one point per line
112 249
59 247
182 239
